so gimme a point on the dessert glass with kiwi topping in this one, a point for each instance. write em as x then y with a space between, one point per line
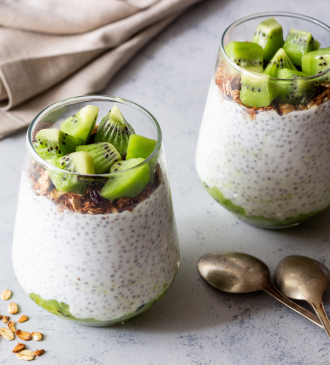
264 145
95 237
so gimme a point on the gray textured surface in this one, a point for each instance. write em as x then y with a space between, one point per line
192 324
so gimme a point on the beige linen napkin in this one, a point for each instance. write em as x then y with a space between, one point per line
55 49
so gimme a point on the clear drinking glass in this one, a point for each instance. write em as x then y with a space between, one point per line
81 257
269 166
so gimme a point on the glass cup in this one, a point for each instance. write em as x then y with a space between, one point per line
85 258
269 165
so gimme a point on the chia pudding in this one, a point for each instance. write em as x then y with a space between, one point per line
270 164
90 259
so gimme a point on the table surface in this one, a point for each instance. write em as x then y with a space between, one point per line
192 324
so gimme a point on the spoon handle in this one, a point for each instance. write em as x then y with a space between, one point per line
292 305
319 309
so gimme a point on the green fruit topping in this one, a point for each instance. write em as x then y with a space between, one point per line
257 90
316 44
81 124
104 155
279 61
126 184
53 143
143 147
77 162
115 130
296 90
298 43
269 35
139 146
316 62
245 54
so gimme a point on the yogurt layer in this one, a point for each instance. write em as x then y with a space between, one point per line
101 267
269 166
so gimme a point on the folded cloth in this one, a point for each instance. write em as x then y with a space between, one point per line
55 49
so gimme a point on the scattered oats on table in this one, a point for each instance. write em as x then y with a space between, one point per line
25 336
37 336
6 294
22 319
26 355
7 334
12 308
19 347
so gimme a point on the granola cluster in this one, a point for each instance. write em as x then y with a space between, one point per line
230 86
90 203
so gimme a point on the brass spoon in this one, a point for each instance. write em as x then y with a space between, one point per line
236 272
303 278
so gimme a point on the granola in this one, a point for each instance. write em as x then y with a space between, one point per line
90 203
230 86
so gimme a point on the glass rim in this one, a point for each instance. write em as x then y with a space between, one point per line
270 14
87 98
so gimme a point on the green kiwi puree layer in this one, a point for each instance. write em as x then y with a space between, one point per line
63 310
252 219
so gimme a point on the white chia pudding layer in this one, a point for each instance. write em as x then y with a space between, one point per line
272 166
103 266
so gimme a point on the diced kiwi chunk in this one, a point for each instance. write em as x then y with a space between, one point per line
53 143
76 162
139 146
115 130
245 54
269 35
104 155
257 90
126 184
279 61
296 90
316 62
81 124
297 44
316 44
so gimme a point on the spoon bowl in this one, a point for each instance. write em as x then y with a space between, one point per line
237 272
234 272
303 278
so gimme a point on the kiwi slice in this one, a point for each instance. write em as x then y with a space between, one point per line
77 162
257 90
115 130
316 44
53 143
81 124
245 54
297 90
104 155
298 43
269 35
279 61
316 62
126 184
139 146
